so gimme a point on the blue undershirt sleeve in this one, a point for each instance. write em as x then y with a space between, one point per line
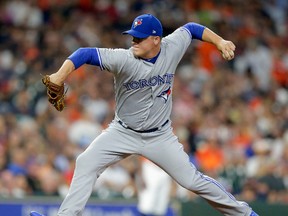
196 30
85 56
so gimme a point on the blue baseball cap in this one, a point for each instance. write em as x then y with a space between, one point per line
144 26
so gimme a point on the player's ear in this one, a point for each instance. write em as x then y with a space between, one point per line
157 40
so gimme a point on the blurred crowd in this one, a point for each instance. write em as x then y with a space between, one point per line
232 117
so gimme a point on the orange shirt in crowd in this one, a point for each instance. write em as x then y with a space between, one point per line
280 73
209 56
210 157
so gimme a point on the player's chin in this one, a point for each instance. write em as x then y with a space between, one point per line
136 52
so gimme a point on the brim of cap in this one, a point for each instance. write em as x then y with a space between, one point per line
136 33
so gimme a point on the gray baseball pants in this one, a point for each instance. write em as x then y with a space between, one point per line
161 147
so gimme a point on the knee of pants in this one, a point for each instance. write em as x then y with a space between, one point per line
81 162
85 165
188 185
192 182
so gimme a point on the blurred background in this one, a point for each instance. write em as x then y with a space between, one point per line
232 117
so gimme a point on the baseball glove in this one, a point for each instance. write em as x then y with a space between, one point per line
56 93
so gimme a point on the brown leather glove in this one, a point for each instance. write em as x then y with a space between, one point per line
56 93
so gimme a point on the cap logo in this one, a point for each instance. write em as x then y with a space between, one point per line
137 23
144 26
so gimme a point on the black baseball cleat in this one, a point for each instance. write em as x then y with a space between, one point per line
34 213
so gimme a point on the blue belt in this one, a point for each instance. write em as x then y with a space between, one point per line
144 131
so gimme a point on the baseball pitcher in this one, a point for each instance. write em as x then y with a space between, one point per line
143 77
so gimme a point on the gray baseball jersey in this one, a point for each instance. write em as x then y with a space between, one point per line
143 89
143 101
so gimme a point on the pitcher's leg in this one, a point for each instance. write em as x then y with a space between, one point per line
212 191
81 186
101 153
169 155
